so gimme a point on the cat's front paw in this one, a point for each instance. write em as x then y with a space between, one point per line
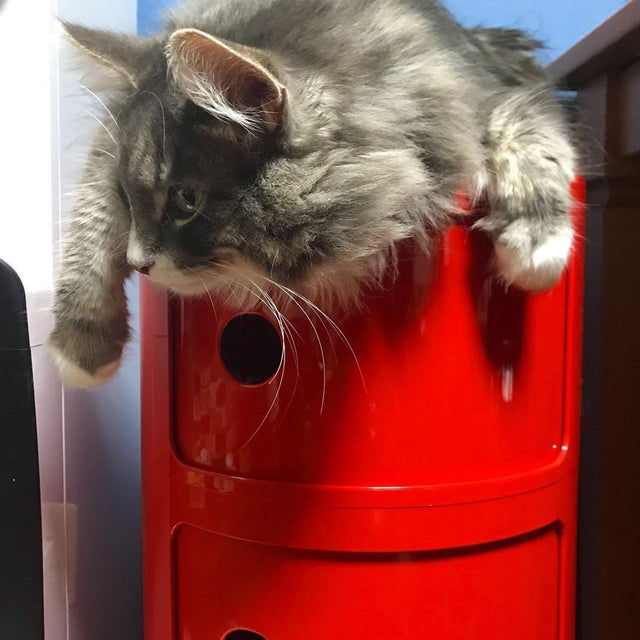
74 375
86 356
533 256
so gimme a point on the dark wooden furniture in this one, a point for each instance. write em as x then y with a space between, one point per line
604 70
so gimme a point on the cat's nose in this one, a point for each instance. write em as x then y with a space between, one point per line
142 268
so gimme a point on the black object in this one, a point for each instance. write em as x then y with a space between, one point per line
243 634
21 604
250 348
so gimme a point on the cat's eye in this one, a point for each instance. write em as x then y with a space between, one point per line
188 200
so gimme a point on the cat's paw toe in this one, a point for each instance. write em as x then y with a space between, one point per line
73 375
532 260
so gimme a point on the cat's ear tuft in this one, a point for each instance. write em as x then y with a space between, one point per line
128 55
232 82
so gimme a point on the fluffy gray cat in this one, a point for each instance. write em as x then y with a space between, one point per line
291 144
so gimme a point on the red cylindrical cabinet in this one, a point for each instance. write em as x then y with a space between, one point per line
414 478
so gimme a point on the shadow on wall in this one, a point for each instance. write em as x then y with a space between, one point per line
104 486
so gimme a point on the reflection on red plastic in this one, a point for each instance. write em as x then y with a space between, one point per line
419 456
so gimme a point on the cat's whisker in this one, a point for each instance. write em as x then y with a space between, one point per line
291 294
204 284
80 185
101 101
282 320
103 125
273 262
287 327
333 324
296 360
322 355
108 153
271 305
315 331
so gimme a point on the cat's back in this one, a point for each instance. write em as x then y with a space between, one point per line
366 38
346 32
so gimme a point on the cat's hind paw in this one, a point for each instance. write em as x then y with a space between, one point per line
530 258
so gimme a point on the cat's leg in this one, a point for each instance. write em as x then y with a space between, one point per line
90 310
530 167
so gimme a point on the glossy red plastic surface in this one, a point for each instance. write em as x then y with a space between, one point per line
414 477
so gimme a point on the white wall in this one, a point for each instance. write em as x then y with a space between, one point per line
25 132
88 440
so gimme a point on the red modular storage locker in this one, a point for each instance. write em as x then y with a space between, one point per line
422 486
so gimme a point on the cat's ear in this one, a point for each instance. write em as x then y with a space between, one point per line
232 82
128 55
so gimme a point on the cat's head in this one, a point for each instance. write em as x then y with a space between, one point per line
236 169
